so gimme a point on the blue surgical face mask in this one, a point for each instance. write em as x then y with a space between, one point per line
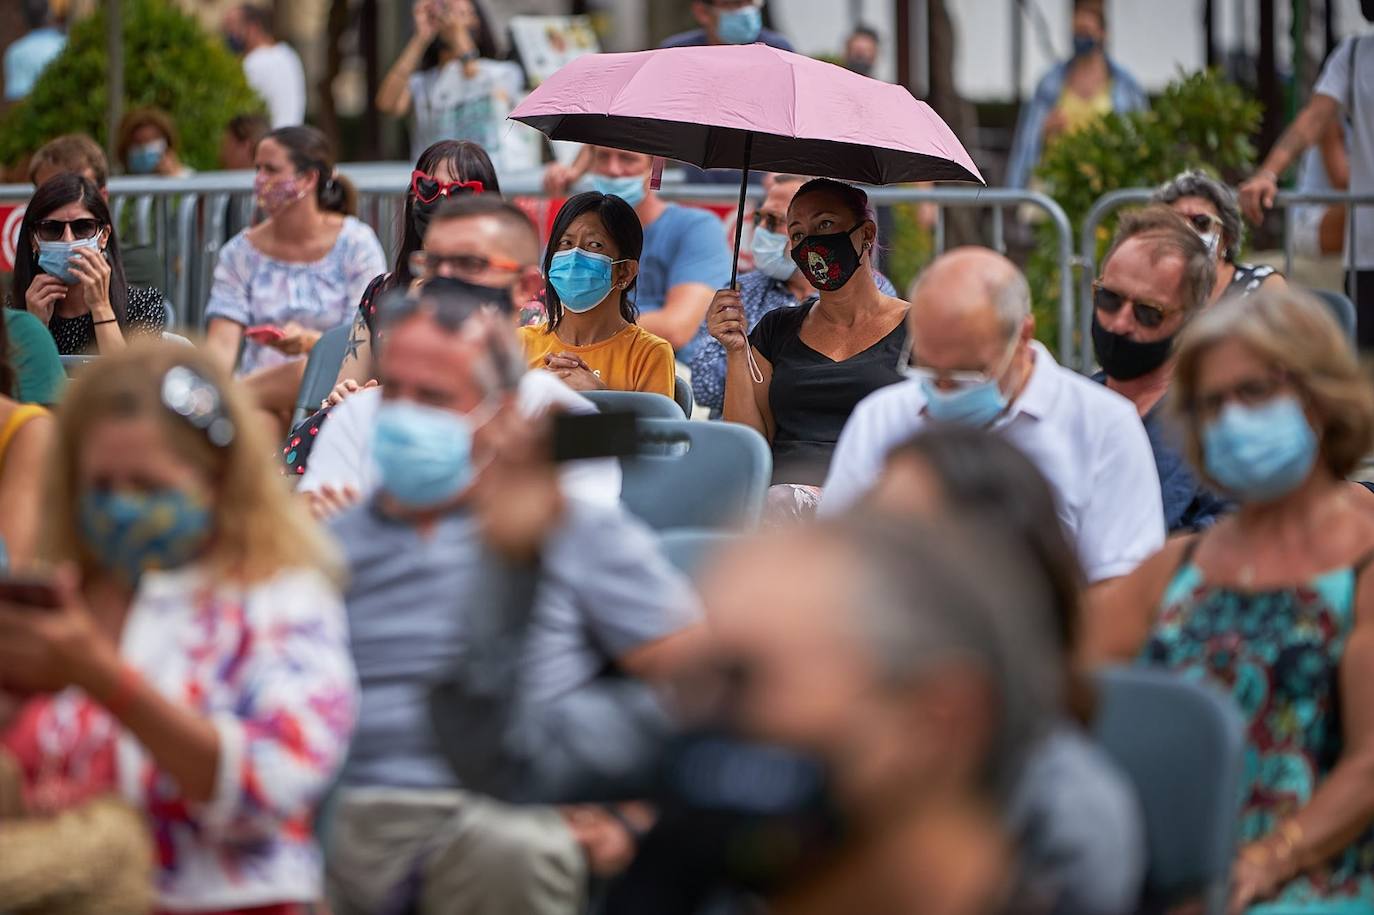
582 279
741 26
135 532
54 256
1084 45
976 405
630 188
1260 453
143 159
772 254
424 453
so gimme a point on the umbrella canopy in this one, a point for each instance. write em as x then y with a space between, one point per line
749 107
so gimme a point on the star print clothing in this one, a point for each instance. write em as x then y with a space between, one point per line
812 395
632 359
252 288
1278 651
144 314
269 666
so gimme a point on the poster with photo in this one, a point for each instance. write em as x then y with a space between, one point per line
546 43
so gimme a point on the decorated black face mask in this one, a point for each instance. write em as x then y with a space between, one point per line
827 261
1123 358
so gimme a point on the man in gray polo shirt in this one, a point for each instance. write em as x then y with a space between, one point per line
405 833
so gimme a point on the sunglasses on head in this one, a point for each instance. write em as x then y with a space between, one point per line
54 229
428 189
194 398
1109 302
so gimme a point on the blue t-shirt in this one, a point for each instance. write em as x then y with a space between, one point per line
684 245
26 58
697 38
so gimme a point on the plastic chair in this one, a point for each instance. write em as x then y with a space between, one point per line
1342 309
687 547
1182 743
701 475
72 363
684 395
321 371
640 403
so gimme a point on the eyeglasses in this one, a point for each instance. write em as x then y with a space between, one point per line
1250 392
195 399
428 189
1202 222
960 379
770 222
54 229
428 263
1109 302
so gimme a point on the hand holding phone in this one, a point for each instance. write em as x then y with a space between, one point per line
29 593
265 334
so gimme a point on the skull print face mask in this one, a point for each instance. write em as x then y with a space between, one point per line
827 261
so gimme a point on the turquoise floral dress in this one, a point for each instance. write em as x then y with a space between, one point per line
1278 652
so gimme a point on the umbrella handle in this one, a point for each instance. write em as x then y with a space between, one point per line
739 216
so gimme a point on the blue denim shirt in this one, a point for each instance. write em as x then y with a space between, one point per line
760 294
1188 505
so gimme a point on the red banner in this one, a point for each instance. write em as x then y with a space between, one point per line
11 217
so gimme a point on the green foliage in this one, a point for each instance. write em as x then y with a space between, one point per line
909 248
169 63
1200 121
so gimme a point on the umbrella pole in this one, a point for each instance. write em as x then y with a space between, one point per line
739 216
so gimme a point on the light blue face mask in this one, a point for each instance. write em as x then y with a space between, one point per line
772 255
741 26
424 453
976 405
1260 453
582 279
54 256
143 159
630 188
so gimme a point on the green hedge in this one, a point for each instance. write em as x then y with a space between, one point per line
170 62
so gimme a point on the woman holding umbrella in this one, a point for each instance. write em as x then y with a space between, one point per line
800 373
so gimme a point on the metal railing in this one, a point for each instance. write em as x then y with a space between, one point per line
1109 203
189 219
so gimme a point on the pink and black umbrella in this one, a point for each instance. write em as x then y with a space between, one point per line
749 107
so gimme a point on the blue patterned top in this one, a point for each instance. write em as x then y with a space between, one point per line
252 288
1278 652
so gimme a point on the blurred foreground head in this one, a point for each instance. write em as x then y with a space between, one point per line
911 659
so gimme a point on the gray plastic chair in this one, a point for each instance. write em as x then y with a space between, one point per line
701 475
684 395
73 364
1342 309
640 403
1182 744
321 370
688 547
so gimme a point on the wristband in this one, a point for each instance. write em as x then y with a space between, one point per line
1266 173
125 691
106 321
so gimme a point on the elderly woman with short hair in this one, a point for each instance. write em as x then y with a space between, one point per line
1275 603
1211 208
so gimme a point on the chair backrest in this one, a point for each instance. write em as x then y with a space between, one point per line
321 370
1342 309
1182 743
176 338
684 395
74 363
688 547
641 404
690 474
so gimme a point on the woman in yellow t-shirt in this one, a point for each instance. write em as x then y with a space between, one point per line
591 340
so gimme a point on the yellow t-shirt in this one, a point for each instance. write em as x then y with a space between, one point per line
631 360
1079 112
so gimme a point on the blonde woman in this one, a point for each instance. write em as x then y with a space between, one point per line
1275 603
193 647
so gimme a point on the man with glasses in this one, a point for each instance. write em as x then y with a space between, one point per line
1157 275
975 361
490 247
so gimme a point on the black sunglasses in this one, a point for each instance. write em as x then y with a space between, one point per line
54 229
1109 302
1202 222
195 399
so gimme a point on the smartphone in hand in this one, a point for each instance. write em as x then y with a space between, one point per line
265 334
29 593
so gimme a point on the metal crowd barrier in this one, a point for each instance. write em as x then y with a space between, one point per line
1109 203
189 219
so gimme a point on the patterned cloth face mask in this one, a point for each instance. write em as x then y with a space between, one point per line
827 261
136 532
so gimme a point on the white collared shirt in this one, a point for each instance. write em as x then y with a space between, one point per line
1088 442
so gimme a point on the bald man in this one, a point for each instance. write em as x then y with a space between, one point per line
976 362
